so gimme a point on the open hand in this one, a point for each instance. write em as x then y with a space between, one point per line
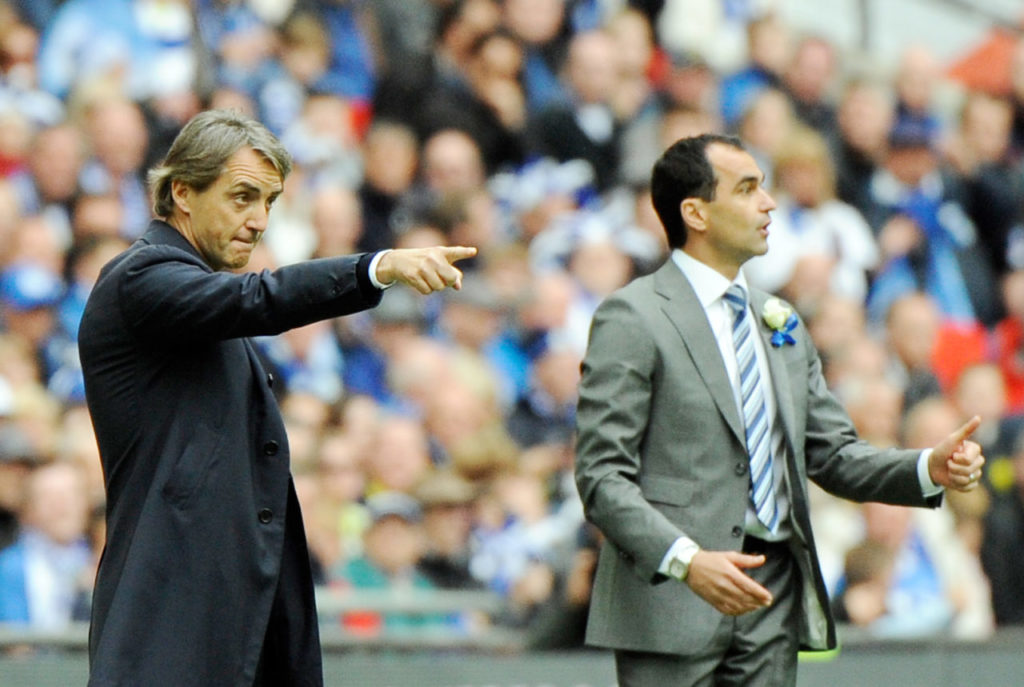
956 461
718 578
424 269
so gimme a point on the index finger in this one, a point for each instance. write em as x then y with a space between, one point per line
455 253
966 430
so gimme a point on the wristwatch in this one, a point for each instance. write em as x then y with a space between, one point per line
678 568
681 557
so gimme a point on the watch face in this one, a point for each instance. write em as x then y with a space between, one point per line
677 568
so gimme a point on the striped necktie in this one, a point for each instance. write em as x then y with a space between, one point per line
755 413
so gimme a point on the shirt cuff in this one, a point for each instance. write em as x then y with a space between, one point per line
684 549
373 270
928 487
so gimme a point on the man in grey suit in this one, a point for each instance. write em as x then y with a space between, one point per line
702 413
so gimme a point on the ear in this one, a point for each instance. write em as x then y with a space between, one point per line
182 195
694 214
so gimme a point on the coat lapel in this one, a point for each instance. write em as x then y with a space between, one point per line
684 310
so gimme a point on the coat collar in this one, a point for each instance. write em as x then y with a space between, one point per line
160 233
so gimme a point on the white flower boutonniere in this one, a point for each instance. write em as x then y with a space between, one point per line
781 319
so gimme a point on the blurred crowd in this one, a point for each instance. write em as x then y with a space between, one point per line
432 437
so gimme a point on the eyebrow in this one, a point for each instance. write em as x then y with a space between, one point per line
252 188
750 179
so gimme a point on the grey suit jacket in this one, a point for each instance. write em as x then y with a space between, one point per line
661 453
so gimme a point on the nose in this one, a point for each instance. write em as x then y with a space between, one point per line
258 218
767 202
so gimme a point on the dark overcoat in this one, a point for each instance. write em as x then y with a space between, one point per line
202 521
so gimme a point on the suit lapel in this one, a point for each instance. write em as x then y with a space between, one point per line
686 314
777 366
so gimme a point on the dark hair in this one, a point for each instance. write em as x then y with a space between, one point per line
683 171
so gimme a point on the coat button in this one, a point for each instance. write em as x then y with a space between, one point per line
270 379
737 531
740 469
265 515
270 448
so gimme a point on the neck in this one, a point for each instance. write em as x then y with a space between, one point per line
700 252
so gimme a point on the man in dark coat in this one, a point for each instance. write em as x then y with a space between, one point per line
205 578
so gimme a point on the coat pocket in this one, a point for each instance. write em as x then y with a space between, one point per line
192 467
673 491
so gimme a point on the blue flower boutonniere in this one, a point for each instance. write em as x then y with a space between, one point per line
781 319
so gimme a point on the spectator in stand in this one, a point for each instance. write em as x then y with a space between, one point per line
584 127
447 500
543 28
405 86
323 141
142 45
390 156
393 544
370 355
764 125
980 154
912 330
40 574
301 68
859 144
927 240
29 296
980 388
1008 340
119 137
451 162
1017 98
337 219
474 324
487 102
769 48
810 222
546 413
867 577
400 456
17 460
48 184
917 81
342 477
1002 549
808 80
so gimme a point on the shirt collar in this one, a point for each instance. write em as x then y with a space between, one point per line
709 284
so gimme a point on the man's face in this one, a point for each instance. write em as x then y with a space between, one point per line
227 220
737 218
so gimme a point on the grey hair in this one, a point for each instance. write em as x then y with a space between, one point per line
200 151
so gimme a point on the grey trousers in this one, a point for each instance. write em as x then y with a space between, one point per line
757 649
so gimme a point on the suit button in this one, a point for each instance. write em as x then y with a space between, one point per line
270 379
740 469
737 531
270 448
265 515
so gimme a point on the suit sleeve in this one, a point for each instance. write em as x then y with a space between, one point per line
847 466
612 416
166 295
